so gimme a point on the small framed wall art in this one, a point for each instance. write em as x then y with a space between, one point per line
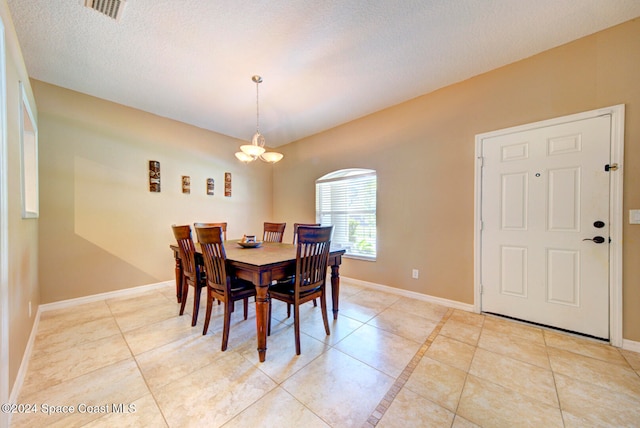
186 184
227 184
210 186
154 176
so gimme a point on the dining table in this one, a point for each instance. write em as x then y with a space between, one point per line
263 265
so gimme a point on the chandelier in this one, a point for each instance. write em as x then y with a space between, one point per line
255 150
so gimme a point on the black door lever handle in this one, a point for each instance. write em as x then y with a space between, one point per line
596 239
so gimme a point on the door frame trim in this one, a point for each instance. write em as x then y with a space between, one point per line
616 154
4 232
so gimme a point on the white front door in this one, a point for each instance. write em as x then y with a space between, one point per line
545 225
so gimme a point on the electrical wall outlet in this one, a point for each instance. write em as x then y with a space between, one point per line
415 274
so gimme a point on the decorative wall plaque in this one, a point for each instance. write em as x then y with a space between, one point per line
210 186
154 176
227 184
186 184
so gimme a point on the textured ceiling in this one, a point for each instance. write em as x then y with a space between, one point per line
324 63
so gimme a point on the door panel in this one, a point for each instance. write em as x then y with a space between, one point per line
514 271
514 201
563 277
542 190
564 200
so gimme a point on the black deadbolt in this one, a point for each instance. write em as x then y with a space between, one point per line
599 224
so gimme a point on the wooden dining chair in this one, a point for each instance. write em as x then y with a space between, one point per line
220 284
312 259
192 273
295 240
295 230
273 232
222 226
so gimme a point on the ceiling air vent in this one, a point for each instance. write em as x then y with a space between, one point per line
112 8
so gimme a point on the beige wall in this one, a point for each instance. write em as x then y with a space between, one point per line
22 233
101 229
423 151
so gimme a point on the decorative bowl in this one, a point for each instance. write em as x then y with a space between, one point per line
250 244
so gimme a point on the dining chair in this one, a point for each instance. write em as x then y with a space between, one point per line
192 273
273 232
222 225
220 284
295 240
312 259
295 230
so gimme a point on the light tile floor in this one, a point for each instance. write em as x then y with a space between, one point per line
389 362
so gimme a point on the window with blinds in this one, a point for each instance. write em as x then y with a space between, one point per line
346 199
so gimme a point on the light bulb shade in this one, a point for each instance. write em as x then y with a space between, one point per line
258 139
271 157
244 157
252 150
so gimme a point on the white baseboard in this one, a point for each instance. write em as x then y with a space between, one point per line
411 294
630 345
24 365
104 296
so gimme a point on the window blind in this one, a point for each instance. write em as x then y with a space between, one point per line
346 199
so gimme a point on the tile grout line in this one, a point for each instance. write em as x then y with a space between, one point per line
393 391
138 368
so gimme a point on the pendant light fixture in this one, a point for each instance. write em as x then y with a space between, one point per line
255 150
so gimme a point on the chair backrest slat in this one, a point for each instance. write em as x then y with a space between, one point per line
273 232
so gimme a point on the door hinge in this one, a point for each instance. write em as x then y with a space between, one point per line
612 167
481 160
481 289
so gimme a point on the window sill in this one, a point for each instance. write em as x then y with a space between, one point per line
363 258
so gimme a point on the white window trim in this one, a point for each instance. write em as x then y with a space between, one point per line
28 157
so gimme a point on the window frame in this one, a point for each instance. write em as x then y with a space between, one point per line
362 212
28 158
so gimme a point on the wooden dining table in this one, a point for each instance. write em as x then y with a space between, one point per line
262 266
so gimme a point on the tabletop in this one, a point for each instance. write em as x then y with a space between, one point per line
266 254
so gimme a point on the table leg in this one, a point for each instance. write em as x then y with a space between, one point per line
335 288
179 279
262 315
